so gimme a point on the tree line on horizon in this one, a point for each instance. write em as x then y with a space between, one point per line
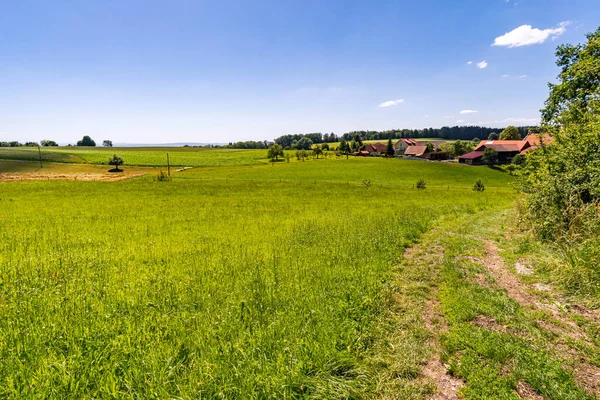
306 140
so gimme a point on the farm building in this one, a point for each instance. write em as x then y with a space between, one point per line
420 151
375 149
506 149
402 144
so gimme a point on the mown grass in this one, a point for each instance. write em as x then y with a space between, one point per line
215 289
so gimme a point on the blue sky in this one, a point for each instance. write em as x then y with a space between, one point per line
218 71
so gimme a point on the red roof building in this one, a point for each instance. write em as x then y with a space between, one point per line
506 149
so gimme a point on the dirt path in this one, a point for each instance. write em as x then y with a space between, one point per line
447 386
587 375
434 371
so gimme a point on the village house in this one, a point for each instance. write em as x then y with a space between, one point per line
374 150
402 144
506 149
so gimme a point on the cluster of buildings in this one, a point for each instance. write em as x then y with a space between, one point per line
408 148
411 148
506 149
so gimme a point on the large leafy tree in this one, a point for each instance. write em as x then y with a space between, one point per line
86 141
510 133
578 92
275 151
561 181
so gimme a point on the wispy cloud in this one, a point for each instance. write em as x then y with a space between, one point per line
468 112
521 120
482 65
391 103
460 121
448 116
505 75
522 76
525 35
469 62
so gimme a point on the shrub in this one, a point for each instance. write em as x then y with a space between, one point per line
366 183
421 184
162 177
478 186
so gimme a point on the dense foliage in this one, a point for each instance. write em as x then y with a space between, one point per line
562 182
578 91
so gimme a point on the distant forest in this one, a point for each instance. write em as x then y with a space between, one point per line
446 132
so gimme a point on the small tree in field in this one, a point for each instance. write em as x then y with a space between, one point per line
490 156
115 161
107 143
478 186
389 148
275 151
317 151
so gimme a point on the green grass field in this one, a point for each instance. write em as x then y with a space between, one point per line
227 282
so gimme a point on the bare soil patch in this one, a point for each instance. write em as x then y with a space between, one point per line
41 176
447 386
526 392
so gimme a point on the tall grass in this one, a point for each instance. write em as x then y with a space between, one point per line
200 289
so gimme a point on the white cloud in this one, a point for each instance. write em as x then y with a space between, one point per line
469 62
468 112
525 35
521 120
505 76
391 103
448 116
459 121
522 76
482 65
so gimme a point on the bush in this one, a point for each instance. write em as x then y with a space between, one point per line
478 186
421 184
366 183
162 177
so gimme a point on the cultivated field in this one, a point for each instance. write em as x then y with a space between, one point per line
230 282
142 156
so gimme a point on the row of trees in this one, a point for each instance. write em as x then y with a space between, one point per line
85 141
43 143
